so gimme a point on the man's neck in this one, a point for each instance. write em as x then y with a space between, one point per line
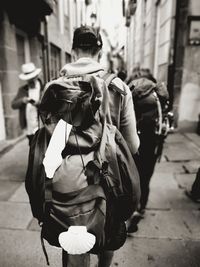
82 54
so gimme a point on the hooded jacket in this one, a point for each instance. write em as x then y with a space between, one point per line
121 105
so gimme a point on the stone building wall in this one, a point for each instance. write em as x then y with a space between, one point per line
14 53
187 76
9 76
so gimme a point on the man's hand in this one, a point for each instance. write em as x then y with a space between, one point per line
26 99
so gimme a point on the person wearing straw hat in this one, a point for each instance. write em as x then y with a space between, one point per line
28 99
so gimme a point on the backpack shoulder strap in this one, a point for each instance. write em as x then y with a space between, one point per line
160 117
108 78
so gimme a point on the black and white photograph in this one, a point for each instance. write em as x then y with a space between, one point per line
100 133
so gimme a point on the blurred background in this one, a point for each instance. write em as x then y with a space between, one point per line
160 35
163 36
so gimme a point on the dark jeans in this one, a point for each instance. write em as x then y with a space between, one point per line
83 260
145 161
75 260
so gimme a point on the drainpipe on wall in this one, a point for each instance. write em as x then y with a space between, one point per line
46 60
172 66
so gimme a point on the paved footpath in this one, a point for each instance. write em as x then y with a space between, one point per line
168 236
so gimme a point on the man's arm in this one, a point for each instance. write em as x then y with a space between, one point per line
127 118
20 99
128 124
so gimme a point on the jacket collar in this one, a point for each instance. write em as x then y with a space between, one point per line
82 66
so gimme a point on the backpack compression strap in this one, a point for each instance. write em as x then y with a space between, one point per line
108 78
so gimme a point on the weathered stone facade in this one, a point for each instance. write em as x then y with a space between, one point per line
18 47
158 40
8 76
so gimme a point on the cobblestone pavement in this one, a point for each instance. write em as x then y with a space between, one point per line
168 236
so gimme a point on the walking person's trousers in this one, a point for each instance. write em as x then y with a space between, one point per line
83 260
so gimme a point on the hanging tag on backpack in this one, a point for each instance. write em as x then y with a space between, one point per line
53 156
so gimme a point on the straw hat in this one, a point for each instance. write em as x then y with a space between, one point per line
29 71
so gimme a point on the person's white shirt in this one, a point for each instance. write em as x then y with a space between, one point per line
31 110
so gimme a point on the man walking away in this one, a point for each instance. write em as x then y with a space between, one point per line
150 102
86 53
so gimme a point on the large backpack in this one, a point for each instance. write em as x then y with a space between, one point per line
149 102
112 190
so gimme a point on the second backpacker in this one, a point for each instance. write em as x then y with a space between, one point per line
151 103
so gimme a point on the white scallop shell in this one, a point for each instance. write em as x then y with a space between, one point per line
77 240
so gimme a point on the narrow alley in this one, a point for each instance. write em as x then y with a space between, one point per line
82 66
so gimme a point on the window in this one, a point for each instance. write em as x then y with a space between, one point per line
55 61
194 30
23 51
66 7
23 48
20 50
